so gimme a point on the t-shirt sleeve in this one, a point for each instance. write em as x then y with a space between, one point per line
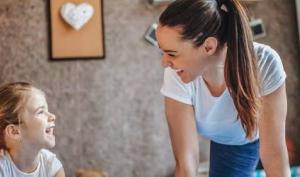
272 74
2 167
53 165
174 88
5 165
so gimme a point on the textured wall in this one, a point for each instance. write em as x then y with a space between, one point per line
110 112
280 21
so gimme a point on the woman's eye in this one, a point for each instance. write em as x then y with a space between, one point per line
171 55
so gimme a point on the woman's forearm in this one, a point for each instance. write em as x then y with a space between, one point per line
187 168
275 162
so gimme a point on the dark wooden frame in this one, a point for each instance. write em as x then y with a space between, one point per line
55 58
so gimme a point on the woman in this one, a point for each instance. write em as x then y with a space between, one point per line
220 84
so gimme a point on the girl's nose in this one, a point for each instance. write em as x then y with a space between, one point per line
52 117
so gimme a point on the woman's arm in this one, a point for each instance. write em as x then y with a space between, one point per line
184 138
273 150
60 173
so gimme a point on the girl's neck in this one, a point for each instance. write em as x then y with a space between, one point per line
25 158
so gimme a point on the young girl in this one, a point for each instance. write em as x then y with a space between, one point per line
221 85
26 128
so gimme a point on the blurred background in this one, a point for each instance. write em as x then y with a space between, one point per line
110 113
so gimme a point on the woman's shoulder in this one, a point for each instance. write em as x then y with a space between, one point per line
270 68
265 52
266 56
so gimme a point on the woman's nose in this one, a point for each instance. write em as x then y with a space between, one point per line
165 63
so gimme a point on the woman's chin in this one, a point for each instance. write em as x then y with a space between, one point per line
187 79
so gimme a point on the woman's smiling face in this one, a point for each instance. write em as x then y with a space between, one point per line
181 55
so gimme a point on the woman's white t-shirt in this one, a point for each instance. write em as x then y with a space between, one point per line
48 166
216 117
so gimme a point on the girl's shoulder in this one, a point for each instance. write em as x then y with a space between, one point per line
47 155
50 162
4 162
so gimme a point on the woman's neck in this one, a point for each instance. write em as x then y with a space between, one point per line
25 158
214 75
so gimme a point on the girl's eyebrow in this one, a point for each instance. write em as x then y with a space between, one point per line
40 107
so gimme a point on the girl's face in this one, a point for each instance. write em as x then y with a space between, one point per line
38 123
182 56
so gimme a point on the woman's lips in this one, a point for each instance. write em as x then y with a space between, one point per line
179 71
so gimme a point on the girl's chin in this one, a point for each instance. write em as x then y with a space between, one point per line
50 141
51 144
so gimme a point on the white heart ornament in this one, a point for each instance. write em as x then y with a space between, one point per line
76 15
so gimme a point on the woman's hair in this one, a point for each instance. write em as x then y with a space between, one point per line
13 97
227 21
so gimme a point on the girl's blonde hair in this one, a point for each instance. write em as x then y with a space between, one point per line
13 97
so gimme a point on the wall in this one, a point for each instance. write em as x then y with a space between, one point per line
110 112
280 21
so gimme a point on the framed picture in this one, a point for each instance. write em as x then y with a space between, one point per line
150 34
76 29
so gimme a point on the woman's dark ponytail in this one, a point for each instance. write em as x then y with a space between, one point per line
241 67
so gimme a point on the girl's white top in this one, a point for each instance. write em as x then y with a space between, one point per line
48 166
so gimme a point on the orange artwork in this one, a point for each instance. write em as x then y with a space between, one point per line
77 30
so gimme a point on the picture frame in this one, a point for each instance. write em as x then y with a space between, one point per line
257 28
150 34
69 42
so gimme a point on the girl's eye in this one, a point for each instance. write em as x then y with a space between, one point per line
41 112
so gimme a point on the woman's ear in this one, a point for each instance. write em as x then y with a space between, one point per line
210 45
12 131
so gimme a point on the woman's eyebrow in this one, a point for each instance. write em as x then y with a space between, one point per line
174 51
167 50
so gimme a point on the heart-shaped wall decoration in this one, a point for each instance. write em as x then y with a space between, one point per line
76 15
